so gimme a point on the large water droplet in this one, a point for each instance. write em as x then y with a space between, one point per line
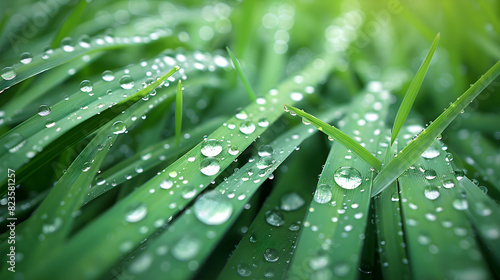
108 76
188 192
265 162
241 115
137 213
119 127
126 82
266 151
247 127
244 270
67 44
271 255
213 208
44 110
430 174
211 147
291 201
14 142
26 58
263 122
86 86
275 218
186 248
448 184
323 194
8 73
347 177
431 192
209 166
430 153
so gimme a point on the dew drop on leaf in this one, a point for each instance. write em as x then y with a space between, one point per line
247 127
213 208
323 194
186 248
67 44
126 82
244 270
136 214
166 184
86 86
430 174
460 204
52 227
188 192
430 153
431 192
275 218
265 162
26 58
119 127
263 122
14 142
291 201
211 147
8 73
210 166
265 151
347 177
448 184
233 150
108 76
44 110
271 255
141 263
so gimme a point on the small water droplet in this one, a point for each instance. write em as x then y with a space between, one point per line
86 86
294 227
211 147
371 117
448 184
44 110
271 255
86 166
233 150
136 214
263 122
291 201
119 127
460 204
459 174
265 151
141 264
14 142
296 96
275 218
213 208
52 227
108 76
210 166
341 269
347 177
265 162
166 184
244 270
323 194
247 127
126 82
8 73
188 192
186 248
241 115
430 174
431 192
67 44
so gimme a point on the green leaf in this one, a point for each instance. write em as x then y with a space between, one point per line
412 92
340 137
242 76
178 113
72 20
412 152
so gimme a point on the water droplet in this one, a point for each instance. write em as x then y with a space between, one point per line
108 76
265 162
431 192
430 153
263 122
14 142
233 150
86 86
241 115
213 208
430 174
44 110
323 194
50 124
126 82
211 147
448 184
294 227
459 174
188 192
266 151
275 218
186 248
271 255
136 214
141 264
119 127
296 96
347 177
52 227
67 44
247 127
460 204
210 166
86 166
8 73
291 201
26 58
341 269
166 184
244 270
371 117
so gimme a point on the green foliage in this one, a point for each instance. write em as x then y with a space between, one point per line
132 151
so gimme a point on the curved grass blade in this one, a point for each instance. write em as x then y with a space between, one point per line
340 137
411 94
72 20
178 113
411 153
242 76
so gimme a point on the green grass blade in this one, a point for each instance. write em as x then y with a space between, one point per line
411 153
178 113
340 137
72 20
244 80
412 92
